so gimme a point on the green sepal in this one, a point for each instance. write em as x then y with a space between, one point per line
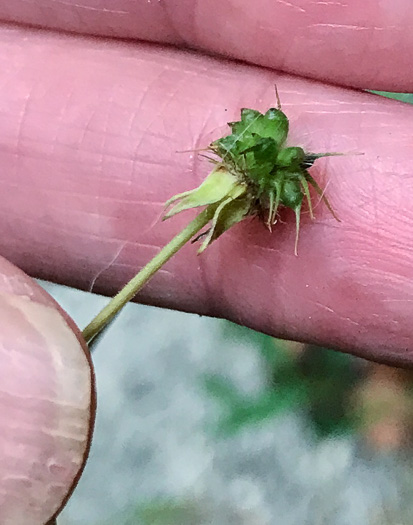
279 125
217 186
291 193
259 160
228 213
246 132
292 197
274 124
291 158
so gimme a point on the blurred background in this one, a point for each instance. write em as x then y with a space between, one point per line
202 422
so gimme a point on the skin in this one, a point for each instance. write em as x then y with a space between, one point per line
89 134
47 401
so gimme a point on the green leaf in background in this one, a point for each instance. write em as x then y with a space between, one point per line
317 381
403 97
163 512
240 410
330 377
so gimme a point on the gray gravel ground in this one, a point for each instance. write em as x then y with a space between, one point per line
153 439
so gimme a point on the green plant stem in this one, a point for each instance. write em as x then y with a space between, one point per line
136 283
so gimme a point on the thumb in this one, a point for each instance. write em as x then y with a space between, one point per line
47 401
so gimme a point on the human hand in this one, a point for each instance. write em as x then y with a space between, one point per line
91 128
89 132
47 401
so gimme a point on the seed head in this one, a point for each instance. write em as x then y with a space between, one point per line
255 174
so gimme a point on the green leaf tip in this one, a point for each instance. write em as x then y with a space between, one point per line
225 192
256 173
218 186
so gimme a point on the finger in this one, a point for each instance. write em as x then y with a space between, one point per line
365 45
46 398
90 135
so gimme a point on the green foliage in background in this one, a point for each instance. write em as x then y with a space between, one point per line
317 382
403 97
162 511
